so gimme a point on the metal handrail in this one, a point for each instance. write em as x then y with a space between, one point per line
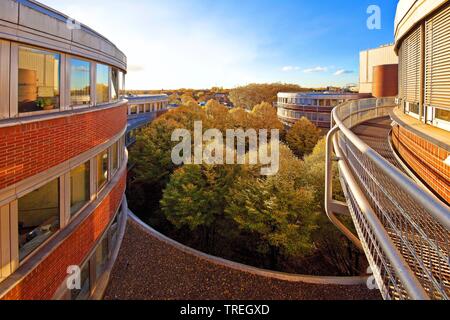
433 206
431 203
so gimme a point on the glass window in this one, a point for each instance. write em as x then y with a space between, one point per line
114 84
38 80
114 228
101 257
85 289
102 84
133 109
115 156
80 191
141 108
121 83
442 114
38 217
80 82
102 169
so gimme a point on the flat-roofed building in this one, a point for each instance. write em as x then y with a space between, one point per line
315 106
378 71
142 109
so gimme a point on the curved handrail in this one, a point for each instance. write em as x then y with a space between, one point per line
431 203
344 118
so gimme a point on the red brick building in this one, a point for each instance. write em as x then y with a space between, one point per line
62 155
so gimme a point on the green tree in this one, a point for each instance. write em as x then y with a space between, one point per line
334 248
276 209
303 137
195 198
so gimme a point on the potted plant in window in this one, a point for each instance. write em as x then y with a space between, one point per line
45 103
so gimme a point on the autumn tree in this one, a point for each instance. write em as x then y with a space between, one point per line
218 115
264 116
247 97
303 137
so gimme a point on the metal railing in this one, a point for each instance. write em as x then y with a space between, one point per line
402 227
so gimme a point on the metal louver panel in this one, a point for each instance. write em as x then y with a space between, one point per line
411 66
437 60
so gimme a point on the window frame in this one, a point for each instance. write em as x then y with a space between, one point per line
92 76
76 214
14 81
15 254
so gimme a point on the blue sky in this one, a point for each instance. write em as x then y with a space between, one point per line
204 43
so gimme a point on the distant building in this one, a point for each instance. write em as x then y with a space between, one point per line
315 106
378 71
142 109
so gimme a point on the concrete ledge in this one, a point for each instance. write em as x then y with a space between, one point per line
346 281
102 284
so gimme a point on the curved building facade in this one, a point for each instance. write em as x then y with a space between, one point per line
394 162
314 106
422 131
142 110
62 154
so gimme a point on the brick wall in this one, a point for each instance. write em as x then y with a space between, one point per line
28 149
425 158
46 278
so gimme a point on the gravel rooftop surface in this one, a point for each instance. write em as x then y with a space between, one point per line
148 269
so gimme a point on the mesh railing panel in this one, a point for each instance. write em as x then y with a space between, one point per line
422 241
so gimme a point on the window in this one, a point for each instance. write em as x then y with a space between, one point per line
80 192
38 80
115 156
114 84
101 257
80 82
442 114
102 169
85 289
141 108
121 83
133 109
114 228
38 216
102 84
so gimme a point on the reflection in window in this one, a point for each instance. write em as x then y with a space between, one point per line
114 84
80 82
442 114
102 169
79 188
84 292
121 83
38 80
133 109
101 257
102 84
115 156
38 217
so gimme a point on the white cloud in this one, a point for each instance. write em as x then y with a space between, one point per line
316 69
343 71
290 68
